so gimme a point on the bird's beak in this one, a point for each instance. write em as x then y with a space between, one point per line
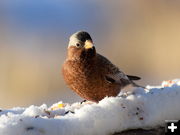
88 44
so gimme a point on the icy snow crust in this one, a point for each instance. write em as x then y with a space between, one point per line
140 109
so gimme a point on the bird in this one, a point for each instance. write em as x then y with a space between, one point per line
91 75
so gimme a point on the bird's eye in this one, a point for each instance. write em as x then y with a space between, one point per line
78 45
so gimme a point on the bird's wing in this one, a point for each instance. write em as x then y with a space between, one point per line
111 72
116 78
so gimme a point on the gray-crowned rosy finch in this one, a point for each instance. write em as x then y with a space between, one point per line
89 74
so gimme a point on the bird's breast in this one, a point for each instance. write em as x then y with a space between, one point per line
78 74
88 81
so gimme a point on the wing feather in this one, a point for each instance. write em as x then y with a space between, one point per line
111 72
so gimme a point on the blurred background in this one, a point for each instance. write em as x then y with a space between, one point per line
141 37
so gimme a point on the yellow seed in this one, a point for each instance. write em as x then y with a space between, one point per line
60 105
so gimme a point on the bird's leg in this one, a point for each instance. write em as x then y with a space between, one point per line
83 101
69 111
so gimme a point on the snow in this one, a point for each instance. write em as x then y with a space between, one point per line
143 108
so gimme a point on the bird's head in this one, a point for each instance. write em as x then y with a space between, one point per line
81 46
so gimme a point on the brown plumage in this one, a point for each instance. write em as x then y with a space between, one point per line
89 74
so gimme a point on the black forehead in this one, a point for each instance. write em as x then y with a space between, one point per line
83 36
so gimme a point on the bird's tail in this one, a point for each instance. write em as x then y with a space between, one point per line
137 85
131 77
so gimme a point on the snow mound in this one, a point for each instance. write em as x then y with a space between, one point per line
144 108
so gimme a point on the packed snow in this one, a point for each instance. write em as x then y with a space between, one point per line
142 108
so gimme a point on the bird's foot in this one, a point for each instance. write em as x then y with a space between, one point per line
83 101
69 111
